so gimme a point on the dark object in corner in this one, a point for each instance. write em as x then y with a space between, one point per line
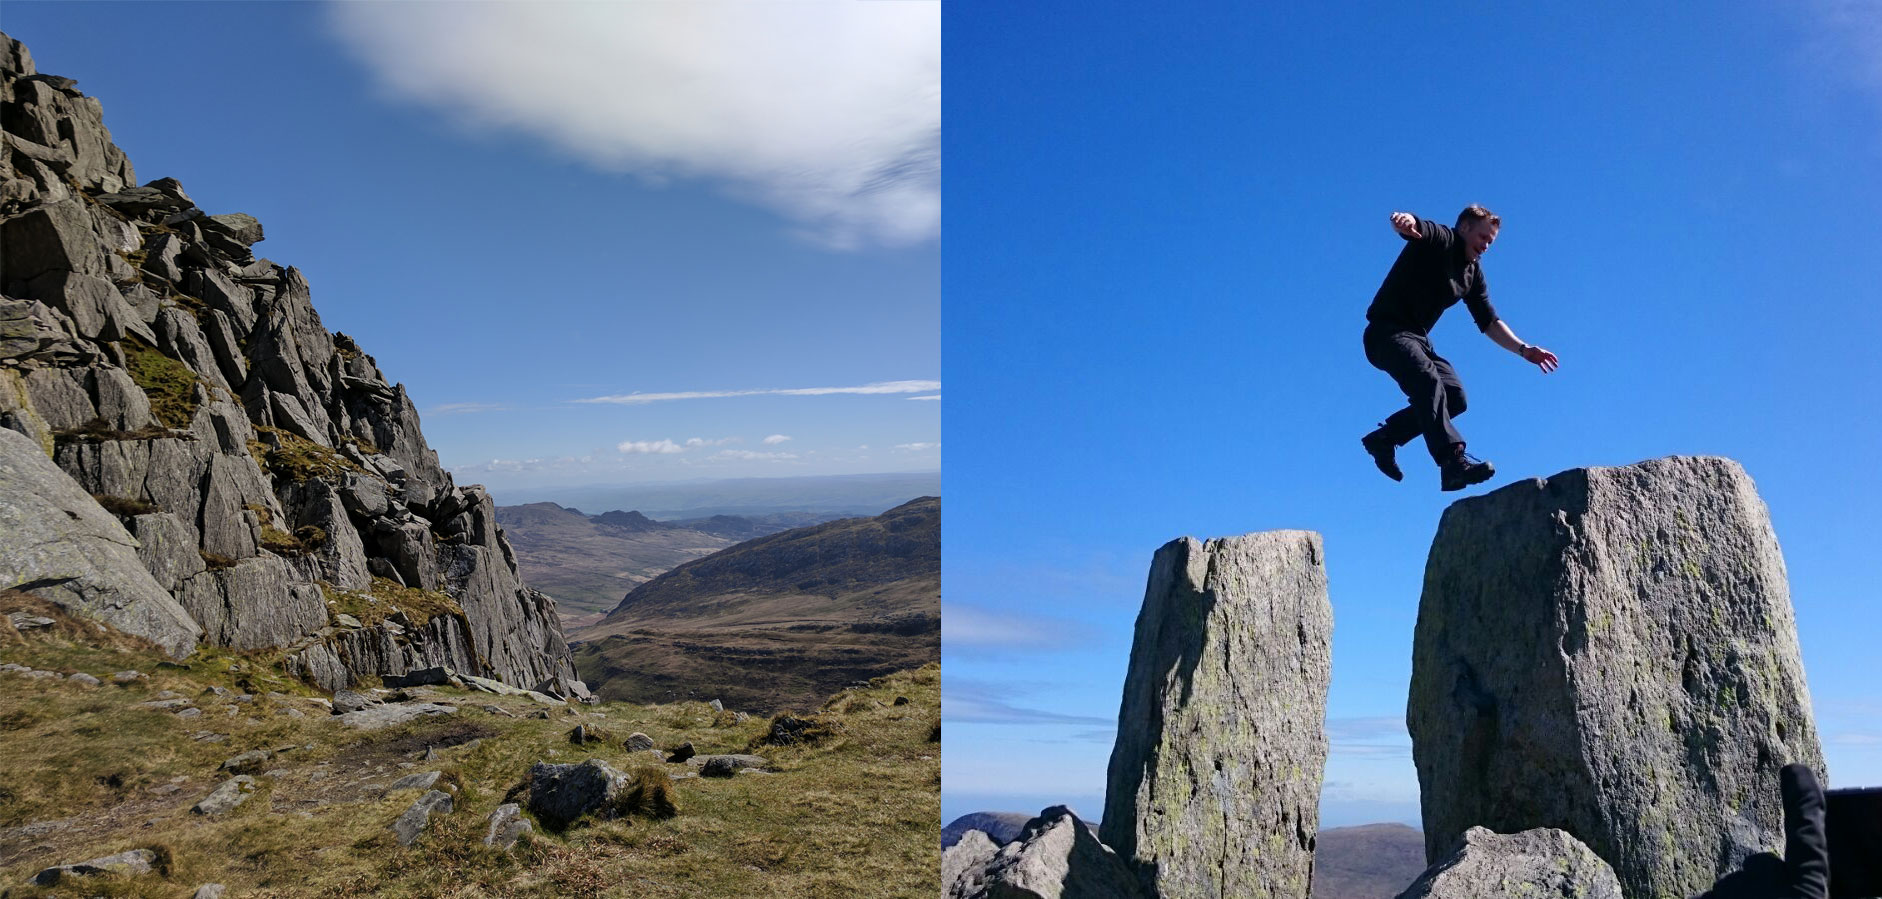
1804 871
1853 819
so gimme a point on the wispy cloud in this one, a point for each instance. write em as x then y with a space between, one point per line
880 387
776 439
464 408
931 397
917 447
654 447
1376 737
979 703
709 441
827 112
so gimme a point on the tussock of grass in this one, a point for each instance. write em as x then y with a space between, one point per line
100 431
386 598
858 816
170 385
298 459
216 561
125 507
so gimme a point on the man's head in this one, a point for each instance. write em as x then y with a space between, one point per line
1477 227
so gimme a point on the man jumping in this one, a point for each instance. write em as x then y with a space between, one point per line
1437 268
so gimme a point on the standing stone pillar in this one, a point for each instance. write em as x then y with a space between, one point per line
1214 785
1611 652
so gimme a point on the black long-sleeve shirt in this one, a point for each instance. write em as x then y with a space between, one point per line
1431 274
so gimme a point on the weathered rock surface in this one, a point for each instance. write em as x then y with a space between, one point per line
411 825
559 794
161 365
1539 862
225 798
1612 652
506 826
383 716
1214 782
136 861
62 546
1055 857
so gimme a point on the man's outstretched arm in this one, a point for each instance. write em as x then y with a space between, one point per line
1406 225
1505 338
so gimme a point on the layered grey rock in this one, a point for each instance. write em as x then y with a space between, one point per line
1612 652
226 797
506 826
1540 862
1055 857
1214 782
288 465
383 716
61 546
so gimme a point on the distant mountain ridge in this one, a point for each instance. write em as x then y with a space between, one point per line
587 562
834 496
779 620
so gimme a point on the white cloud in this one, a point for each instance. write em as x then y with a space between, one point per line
710 441
879 387
775 439
917 447
974 627
649 446
931 397
826 112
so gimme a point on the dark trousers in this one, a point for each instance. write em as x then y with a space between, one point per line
1806 847
1430 385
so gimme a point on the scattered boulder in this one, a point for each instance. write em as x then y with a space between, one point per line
345 701
1612 651
83 678
136 861
225 798
585 734
788 730
1539 862
1055 857
562 687
684 752
208 891
248 762
638 742
423 780
559 794
437 676
507 825
717 706
719 766
737 761
411 825
1214 783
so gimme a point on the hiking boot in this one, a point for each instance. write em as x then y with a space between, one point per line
1382 449
1465 470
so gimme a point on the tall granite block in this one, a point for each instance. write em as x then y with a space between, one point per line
1611 652
1214 784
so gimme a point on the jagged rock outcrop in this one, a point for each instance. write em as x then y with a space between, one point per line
60 545
1214 782
272 478
1539 862
1611 652
1054 857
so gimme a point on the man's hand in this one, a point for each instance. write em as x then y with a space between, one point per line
1543 359
1405 224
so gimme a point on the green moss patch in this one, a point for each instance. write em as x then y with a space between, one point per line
387 597
169 384
298 459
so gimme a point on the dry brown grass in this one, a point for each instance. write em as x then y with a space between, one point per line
858 815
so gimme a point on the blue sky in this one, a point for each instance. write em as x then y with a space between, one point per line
599 243
1163 231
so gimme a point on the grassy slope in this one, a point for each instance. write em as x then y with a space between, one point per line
857 815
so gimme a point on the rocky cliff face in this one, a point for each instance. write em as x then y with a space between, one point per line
1214 782
1611 652
277 486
